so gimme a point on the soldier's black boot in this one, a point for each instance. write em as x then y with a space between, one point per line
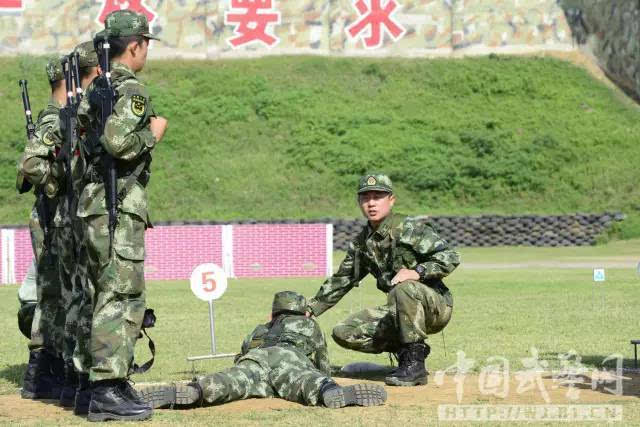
174 395
365 394
110 401
39 380
68 394
411 370
83 395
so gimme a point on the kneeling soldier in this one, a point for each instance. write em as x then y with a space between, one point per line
285 358
408 260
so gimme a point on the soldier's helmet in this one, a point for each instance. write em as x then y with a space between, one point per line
54 70
125 23
87 56
289 301
375 182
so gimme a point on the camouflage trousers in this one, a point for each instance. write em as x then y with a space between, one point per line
119 293
413 311
84 293
266 372
69 292
47 328
76 295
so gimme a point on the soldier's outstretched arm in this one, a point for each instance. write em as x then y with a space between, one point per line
337 286
127 132
433 252
321 355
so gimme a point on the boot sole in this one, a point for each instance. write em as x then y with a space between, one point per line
168 396
106 417
394 381
358 394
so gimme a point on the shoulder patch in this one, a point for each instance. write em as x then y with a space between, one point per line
48 139
138 105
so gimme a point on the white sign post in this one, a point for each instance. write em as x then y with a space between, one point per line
208 283
598 276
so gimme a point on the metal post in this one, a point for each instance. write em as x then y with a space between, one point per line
212 325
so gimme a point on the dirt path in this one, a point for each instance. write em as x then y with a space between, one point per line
15 409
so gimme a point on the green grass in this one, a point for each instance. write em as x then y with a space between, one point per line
497 313
286 137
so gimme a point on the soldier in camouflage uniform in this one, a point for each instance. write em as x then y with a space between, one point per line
42 379
116 268
408 260
285 358
73 276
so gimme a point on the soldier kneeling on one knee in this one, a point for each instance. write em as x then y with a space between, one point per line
408 260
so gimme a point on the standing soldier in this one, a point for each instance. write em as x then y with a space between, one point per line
285 358
408 260
125 139
42 379
73 277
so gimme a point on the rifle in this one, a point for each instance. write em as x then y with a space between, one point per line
105 96
68 126
24 185
42 205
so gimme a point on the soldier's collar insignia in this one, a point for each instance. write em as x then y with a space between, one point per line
48 139
138 105
371 181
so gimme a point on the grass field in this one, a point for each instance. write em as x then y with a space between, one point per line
502 311
287 137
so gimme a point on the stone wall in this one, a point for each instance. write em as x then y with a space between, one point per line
611 31
497 230
208 29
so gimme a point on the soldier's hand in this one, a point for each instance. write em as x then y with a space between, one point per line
158 127
308 314
405 274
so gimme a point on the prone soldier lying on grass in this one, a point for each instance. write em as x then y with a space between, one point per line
286 358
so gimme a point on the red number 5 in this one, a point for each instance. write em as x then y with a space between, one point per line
208 282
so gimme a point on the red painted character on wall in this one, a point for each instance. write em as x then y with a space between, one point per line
11 5
109 6
375 19
251 19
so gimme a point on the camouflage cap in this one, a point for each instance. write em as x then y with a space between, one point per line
87 56
375 182
54 70
125 23
289 301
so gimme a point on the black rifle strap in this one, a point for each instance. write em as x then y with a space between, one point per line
131 180
135 369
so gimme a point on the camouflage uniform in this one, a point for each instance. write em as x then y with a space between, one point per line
285 358
414 309
117 276
38 168
76 290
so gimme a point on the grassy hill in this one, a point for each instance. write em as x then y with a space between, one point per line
287 137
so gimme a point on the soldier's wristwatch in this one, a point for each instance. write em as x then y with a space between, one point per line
421 271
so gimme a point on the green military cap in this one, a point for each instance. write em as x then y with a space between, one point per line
124 23
54 70
375 182
289 301
87 56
